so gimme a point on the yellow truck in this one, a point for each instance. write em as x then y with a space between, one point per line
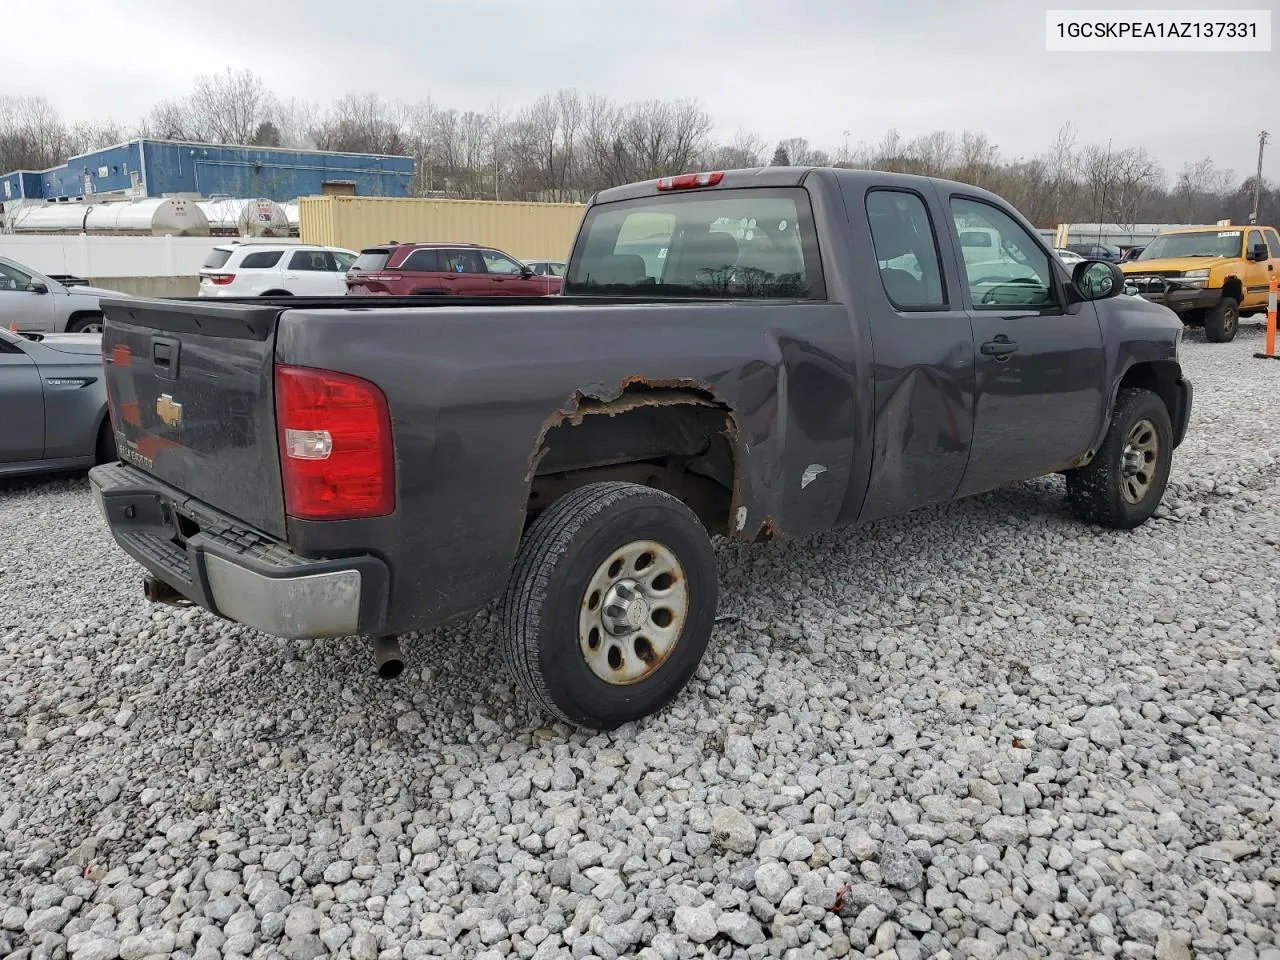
1208 276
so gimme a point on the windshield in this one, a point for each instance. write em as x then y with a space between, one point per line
752 243
1224 243
371 260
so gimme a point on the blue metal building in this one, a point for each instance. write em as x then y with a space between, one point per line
21 185
157 168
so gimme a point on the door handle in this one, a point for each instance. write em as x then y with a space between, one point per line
1000 347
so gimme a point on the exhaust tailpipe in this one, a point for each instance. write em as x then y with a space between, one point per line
157 591
387 657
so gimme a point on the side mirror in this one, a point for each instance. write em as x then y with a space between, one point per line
526 271
39 287
1098 279
1259 252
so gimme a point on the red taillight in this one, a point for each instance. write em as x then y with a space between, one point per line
688 181
220 279
336 455
119 357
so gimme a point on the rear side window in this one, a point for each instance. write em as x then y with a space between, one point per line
216 258
461 261
422 261
753 243
319 261
261 260
343 261
371 260
906 248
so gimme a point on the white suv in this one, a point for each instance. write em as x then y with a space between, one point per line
275 269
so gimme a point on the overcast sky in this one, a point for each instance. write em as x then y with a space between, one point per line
826 67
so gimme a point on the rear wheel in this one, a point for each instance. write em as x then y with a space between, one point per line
611 604
1122 486
85 323
1221 321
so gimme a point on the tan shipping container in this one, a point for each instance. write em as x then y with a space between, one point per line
529 231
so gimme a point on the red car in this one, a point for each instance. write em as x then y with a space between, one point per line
457 269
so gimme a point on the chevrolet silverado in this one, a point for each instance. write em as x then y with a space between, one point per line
756 353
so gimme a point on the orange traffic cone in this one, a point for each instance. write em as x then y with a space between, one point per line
1271 323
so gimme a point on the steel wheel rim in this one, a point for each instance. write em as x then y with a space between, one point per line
1138 461
1232 318
91 328
633 612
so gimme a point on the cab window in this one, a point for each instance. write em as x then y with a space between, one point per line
757 243
1016 272
906 250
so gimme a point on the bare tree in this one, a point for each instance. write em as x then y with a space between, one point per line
231 106
977 158
296 120
1099 180
32 134
803 154
934 153
1136 175
548 139
83 137
745 150
606 158
1199 190
362 123
665 137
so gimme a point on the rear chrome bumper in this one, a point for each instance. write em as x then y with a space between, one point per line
236 572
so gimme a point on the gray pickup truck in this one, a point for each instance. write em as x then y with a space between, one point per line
756 353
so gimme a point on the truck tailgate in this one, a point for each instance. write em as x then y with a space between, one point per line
191 391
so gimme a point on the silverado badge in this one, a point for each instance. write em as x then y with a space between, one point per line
169 411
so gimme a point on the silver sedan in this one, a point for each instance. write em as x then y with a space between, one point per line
54 403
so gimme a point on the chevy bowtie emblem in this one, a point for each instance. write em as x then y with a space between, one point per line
168 410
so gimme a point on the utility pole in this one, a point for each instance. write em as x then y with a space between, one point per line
1263 137
1102 203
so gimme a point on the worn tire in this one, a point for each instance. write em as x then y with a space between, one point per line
1095 491
1221 321
540 611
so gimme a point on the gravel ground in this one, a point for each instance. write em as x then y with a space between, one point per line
977 731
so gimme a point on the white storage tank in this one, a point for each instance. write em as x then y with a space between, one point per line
259 217
147 218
